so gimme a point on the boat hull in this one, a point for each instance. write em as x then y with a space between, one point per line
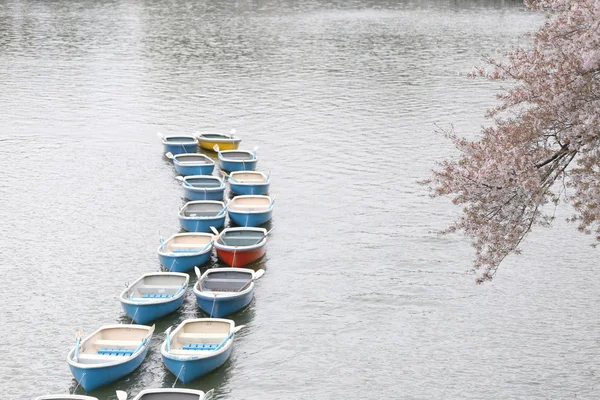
223 145
231 166
145 313
179 148
183 263
250 219
186 170
93 378
223 306
189 369
248 189
202 224
239 258
200 194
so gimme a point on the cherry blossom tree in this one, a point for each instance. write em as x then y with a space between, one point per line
543 142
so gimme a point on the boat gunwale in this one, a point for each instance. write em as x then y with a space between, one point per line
194 188
199 356
144 392
222 156
225 138
208 294
65 396
120 360
238 182
187 254
226 247
180 214
232 209
152 302
209 160
165 139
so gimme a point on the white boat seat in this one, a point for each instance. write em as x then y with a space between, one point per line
97 358
104 343
186 247
192 337
171 287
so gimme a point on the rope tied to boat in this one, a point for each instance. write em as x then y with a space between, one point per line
79 382
134 315
213 306
176 379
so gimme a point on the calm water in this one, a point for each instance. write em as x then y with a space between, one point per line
360 298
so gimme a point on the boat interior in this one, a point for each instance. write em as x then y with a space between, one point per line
216 136
248 177
193 159
169 396
156 287
225 281
249 203
202 209
241 238
183 243
235 155
180 139
112 344
204 182
196 336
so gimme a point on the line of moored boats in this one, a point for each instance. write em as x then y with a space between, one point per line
196 346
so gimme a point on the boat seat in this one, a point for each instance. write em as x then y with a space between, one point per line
115 352
200 346
156 296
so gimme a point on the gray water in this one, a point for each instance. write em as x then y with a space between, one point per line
361 299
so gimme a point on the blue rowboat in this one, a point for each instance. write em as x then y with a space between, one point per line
177 144
109 354
198 346
202 187
192 164
250 210
237 160
249 182
154 295
169 394
200 215
223 291
184 251
65 397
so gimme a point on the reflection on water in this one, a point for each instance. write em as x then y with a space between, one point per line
342 97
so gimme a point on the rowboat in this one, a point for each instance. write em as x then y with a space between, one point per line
225 142
241 246
202 187
184 251
200 215
249 182
154 295
237 160
177 144
192 163
250 210
169 394
65 397
109 354
198 346
223 291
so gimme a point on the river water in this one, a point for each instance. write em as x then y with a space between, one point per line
361 298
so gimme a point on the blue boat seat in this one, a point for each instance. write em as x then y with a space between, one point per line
115 352
199 346
156 296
